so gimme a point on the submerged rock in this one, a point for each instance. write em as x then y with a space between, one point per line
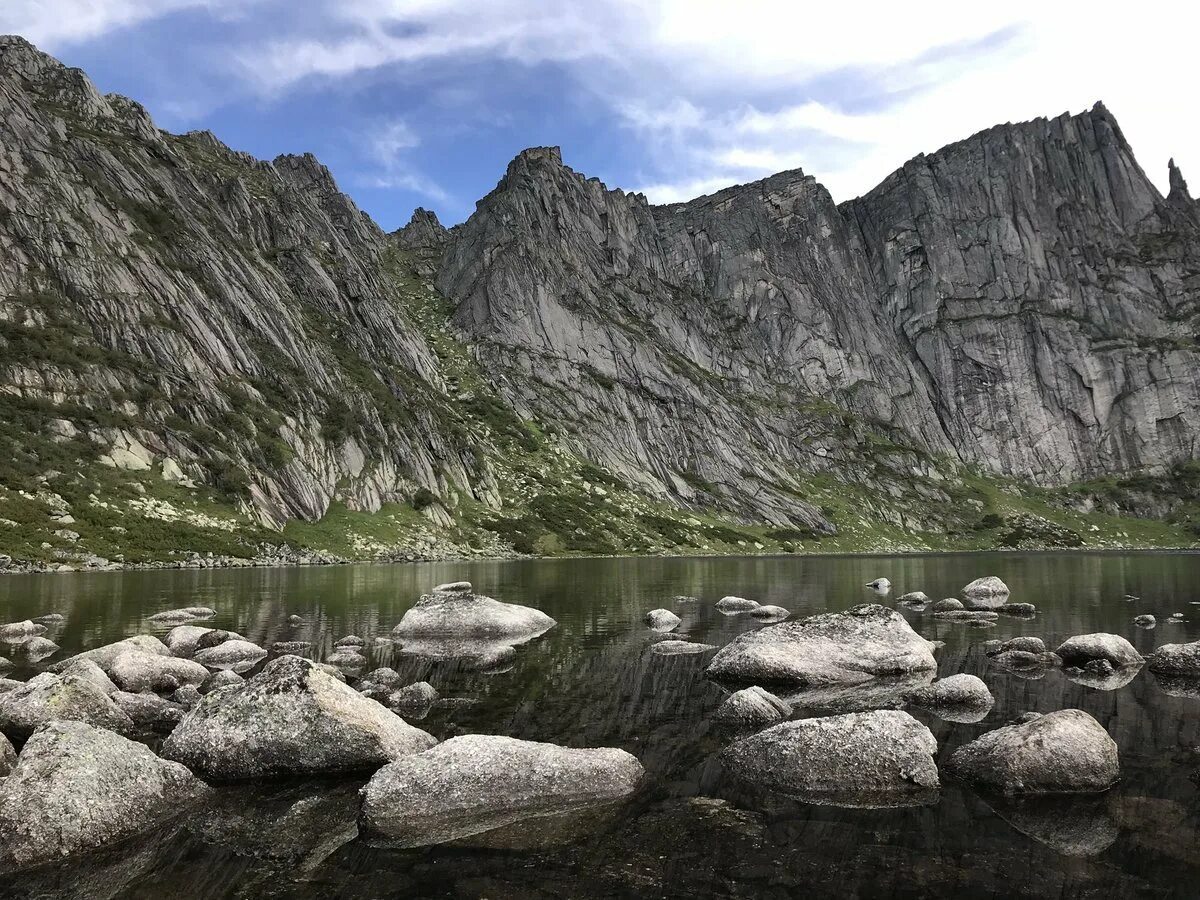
969 616
733 604
50 697
1060 752
137 671
880 585
76 787
236 655
168 616
769 613
986 587
1083 648
679 648
1176 659
291 718
473 784
873 759
957 698
475 654
1025 663
295 648
50 619
753 706
865 642
466 615
662 619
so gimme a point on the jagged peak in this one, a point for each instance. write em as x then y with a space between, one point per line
1179 188
423 231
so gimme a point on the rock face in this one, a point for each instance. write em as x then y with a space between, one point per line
1176 659
879 758
476 783
753 706
467 615
865 642
290 719
49 698
1083 648
76 788
1058 753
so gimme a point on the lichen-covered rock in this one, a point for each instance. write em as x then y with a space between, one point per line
1083 648
292 718
956 698
865 642
477 783
136 671
18 630
1176 659
50 697
8 756
182 640
662 619
946 604
1066 751
418 696
733 604
236 655
464 614
219 679
679 648
149 710
753 706
76 788
878 758
89 671
104 656
986 587
769 613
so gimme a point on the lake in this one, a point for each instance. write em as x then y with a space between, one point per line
690 830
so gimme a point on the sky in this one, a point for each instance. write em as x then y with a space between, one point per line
424 102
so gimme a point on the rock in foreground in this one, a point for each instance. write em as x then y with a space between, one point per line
455 613
50 697
865 642
476 783
878 758
76 788
1063 752
1176 659
292 718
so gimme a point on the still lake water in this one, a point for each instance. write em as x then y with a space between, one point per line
690 831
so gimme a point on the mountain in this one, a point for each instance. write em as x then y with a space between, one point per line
204 353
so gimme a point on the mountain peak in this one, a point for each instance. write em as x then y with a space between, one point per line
1179 188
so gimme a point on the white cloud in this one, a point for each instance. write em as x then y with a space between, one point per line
54 23
387 144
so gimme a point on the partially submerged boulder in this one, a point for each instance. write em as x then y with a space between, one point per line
464 614
769 613
914 597
733 604
1145 621
17 630
419 697
34 648
679 648
662 619
987 587
969 616
1021 610
50 697
379 684
1083 648
292 718
1182 660
865 642
477 783
1025 643
236 655
1061 752
957 698
76 788
946 604
753 706
880 585
878 758
136 671
350 640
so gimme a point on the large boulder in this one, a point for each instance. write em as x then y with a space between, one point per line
89 671
662 619
76 787
292 718
877 758
985 588
753 706
476 783
237 655
733 604
769 613
104 656
50 697
15 631
462 614
136 671
865 642
1176 659
946 604
1083 648
1063 752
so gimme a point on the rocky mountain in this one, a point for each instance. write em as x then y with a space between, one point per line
205 352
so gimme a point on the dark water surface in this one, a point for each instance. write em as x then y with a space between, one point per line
691 831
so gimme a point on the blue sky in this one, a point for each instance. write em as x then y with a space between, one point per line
424 102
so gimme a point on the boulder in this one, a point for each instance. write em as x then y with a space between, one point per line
15 631
865 642
419 696
463 614
187 696
948 604
8 756
753 706
76 788
50 697
236 655
183 640
986 587
914 597
1023 610
219 679
379 684
1081 649
104 656
453 587
877 758
149 710
89 671
736 604
1063 752
294 648
35 648
215 637
662 619
350 640
1145 621
679 648
969 616
171 616
1024 643
1182 660
5 664
137 671
957 698
295 619
292 718
477 783
880 585
769 613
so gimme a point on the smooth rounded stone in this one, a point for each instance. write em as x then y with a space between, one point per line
478 783
137 671
76 788
880 758
886 692
183 640
220 679
89 671
18 630
292 718
238 655
914 597
50 619
295 648
880 585
467 615
986 587
1145 621
50 697
1081 649
36 648
420 695
104 656
1063 752
956 698
214 637
1176 659
350 640
347 659
453 587
661 619
947 604
865 642
969 616
8 756
753 706
187 696
149 710
736 604
1026 643
295 619
1023 610
679 648
769 613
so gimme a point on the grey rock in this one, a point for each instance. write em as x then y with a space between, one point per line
8 756
50 619
34 648
879 758
880 585
237 655
947 604
104 656
453 587
76 788
418 696
753 706
1027 664
5 664
89 671
1066 751
149 710
295 648
736 604
662 619
291 718
137 671
187 695
220 679
350 640
467 615
885 692
1145 621
200 612
49 697
16 631
956 698
914 597
215 637
1083 648
1026 643
1176 659
295 619
988 586
679 648
170 616
183 640
970 616
865 642
769 613
1024 610
477 783
379 684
